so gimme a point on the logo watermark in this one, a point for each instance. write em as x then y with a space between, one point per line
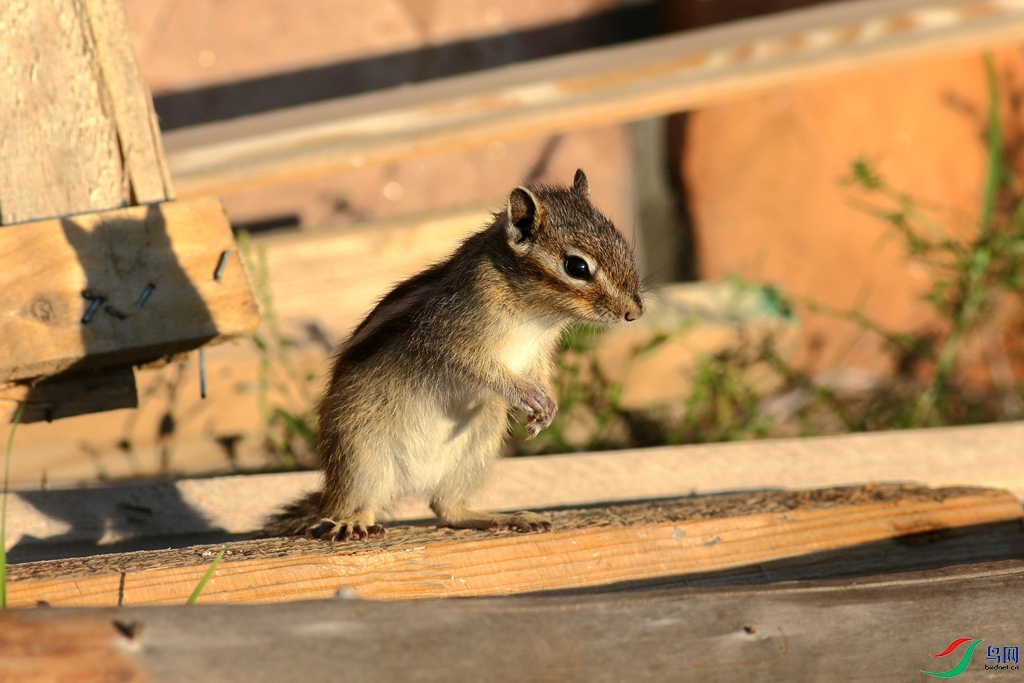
1004 658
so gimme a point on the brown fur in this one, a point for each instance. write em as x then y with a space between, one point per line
417 399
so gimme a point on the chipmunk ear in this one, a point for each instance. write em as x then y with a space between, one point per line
524 212
580 183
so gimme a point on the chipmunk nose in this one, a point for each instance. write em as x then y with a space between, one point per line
634 313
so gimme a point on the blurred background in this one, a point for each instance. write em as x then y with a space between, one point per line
839 255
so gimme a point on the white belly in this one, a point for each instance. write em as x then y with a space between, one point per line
525 344
441 443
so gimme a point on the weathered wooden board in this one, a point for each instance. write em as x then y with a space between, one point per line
53 273
878 629
43 522
79 131
646 78
697 319
120 81
307 271
51 398
78 134
587 548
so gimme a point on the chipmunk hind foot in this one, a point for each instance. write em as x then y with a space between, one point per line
464 518
359 526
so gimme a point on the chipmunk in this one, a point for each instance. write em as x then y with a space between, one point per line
419 395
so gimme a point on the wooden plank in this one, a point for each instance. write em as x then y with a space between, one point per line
587 548
128 96
306 271
79 135
87 653
699 318
986 455
590 88
875 629
71 163
70 64
52 398
47 266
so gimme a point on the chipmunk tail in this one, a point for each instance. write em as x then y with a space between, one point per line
296 518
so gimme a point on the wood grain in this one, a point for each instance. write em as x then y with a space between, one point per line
43 522
52 398
78 135
79 131
46 266
84 648
306 271
873 629
597 87
71 163
594 547
121 84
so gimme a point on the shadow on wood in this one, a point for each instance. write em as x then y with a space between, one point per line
114 289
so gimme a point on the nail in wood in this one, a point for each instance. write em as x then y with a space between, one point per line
221 265
144 297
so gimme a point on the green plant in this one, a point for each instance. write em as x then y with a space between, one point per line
206 577
970 275
289 423
724 402
3 511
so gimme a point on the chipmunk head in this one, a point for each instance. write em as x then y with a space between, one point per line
567 247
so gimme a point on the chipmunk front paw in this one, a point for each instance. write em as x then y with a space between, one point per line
540 411
344 530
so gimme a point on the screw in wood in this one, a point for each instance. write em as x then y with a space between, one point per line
221 265
114 312
94 303
144 297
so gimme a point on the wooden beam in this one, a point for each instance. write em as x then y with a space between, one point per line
873 629
52 398
45 523
121 83
587 548
74 287
79 129
87 654
307 270
590 88
79 135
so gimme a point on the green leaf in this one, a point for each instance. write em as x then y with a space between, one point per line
206 577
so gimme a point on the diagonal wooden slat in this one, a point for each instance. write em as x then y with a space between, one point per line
590 88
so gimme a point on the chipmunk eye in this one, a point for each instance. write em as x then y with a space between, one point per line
577 268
